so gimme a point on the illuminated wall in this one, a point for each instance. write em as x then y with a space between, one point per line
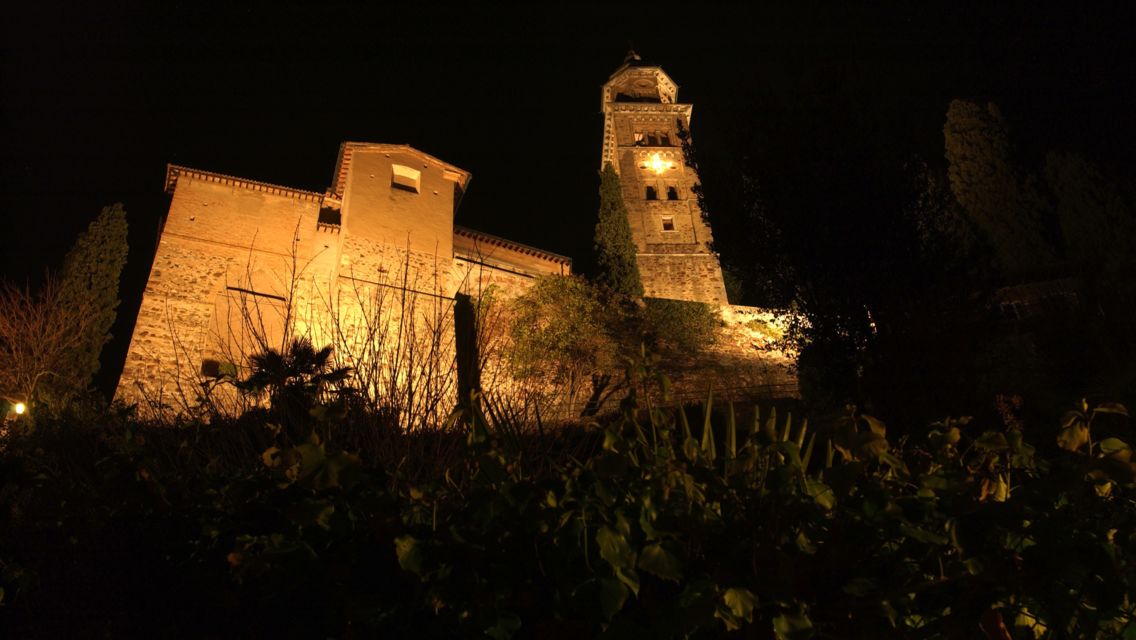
643 131
372 267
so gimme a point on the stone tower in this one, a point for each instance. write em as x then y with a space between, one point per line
643 129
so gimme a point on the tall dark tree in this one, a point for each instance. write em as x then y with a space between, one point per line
89 280
615 250
1002 201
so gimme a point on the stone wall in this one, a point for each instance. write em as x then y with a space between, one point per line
373 271
682 277
745 363
219 242
673 240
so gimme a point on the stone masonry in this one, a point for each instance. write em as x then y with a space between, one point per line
643 131
242 264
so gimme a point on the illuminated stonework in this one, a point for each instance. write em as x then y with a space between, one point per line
371 266
644 128
375 267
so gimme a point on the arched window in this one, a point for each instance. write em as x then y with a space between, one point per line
651 195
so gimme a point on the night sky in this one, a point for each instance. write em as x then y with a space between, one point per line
96 99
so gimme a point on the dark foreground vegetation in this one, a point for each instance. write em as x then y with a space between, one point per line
714 521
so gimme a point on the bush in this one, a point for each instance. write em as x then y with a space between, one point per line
653 524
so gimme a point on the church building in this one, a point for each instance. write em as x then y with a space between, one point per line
243 265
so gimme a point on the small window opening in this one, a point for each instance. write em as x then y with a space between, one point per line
651 195
672 193
665 139
329 216
406 178
652 140
668 223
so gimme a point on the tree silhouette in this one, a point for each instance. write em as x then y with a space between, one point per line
614 247
89 280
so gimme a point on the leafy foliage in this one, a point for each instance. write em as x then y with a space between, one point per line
679 523
560 333
679 326
89 280
615 250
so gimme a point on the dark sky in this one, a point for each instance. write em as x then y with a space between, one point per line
96 99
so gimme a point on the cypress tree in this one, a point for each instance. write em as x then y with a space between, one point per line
615 250
89 281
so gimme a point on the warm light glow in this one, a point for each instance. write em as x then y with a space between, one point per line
20 408
660 165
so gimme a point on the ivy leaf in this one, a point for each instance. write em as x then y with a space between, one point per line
409 551
739 604
656 560
1113 445
805 545
1074 435
820 492
614 548
870 445
992 441
1111 407
612 596
793 626
875 425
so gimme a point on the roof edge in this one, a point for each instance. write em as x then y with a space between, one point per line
343 161
510 244
174 171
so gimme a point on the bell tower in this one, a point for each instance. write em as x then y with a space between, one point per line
643 130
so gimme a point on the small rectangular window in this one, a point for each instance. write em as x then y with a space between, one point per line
668 223
406 178
651 195
665 139
652 140
672 193
329 216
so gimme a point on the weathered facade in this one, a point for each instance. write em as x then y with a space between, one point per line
644 126
644 130
375 267
242 264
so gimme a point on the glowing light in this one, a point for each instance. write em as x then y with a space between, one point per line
660 165
20 408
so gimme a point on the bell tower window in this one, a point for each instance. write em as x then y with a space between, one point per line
672 193
652 194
